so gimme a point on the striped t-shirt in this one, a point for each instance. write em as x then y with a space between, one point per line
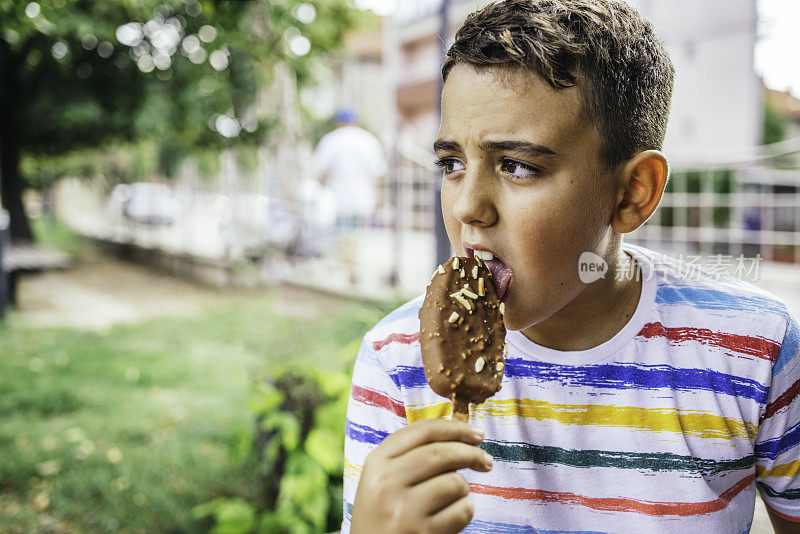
669 426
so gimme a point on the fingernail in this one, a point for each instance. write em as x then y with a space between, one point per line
479 433
488 460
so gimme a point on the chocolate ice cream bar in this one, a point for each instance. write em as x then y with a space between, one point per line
462 334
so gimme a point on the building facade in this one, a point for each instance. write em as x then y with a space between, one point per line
717 100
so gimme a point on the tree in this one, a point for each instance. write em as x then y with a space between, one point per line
81 73
774 126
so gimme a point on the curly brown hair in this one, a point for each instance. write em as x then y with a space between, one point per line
604 47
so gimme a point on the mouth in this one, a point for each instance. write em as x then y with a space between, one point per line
502 276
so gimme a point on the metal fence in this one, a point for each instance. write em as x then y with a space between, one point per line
731 204
274 221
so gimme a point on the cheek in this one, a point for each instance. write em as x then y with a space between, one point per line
569 217
553 235
451 224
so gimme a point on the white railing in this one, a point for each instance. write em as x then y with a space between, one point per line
278 220
745 203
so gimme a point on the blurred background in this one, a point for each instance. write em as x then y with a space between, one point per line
187 276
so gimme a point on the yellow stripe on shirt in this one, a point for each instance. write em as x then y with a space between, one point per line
687 422
784 470
352 471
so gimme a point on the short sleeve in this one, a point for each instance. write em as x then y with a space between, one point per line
374 410
777 449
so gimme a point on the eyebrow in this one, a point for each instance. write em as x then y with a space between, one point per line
532 149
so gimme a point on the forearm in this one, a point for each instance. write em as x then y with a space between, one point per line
781 525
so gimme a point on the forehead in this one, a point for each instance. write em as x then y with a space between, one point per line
493 102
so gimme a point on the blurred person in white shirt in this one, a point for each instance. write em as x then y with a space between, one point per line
350 160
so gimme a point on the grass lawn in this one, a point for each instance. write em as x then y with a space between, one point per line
127 429
52 233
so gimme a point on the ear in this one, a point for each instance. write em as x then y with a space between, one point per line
640 184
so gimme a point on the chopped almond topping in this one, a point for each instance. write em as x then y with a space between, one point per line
464 302
455 263
453 318
469 293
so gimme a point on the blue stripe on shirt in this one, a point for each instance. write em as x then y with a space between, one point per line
632 376
612 376
790 346
712 299
364 434
489 527
772 448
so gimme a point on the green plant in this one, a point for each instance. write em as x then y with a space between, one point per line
296 449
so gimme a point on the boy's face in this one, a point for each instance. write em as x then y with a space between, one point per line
523 179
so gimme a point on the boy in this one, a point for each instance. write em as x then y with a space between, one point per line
644 401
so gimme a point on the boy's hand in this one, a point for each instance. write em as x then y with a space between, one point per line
409 483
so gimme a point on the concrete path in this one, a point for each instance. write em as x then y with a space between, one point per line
100 292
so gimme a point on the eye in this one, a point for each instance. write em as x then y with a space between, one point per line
449 165
518 170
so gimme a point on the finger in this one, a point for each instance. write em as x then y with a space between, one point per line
454 518
437 493
429 431
432 459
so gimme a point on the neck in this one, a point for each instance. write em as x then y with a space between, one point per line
602 310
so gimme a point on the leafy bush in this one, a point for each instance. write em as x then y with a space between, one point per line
296 449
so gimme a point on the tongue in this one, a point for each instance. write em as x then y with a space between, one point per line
501 276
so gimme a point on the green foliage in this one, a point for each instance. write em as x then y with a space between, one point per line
77 86
721 181
774 127
231 516
168 393
52 233
297 447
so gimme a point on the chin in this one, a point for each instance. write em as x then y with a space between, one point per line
514 320
513 323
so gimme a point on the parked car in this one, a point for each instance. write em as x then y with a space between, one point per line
145 203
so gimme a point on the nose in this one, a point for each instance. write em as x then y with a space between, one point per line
473 199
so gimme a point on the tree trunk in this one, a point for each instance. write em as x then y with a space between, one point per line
11 184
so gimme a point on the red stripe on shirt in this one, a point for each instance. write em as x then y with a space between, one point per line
406 339
755 346
373 398
783 401
618 504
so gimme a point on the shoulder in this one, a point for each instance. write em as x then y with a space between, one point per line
356 134
325 143
697 293
400 324
391 349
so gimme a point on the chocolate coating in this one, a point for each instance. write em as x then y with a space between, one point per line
454 337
